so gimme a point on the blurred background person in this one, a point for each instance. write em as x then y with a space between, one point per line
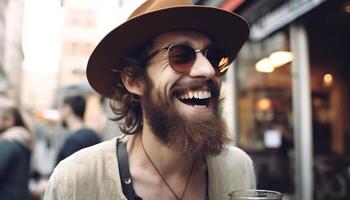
16 143
72 113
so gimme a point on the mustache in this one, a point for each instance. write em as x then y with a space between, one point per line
210 85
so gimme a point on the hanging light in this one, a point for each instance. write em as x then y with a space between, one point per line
328 79
264 65
346 7
276 59
263 104
280 58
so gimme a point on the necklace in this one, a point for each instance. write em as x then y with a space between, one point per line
166 183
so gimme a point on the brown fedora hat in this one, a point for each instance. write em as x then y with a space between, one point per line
226 29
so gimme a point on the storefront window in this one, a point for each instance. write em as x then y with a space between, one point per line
264 92
328 32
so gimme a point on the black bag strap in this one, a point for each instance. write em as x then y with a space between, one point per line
124 171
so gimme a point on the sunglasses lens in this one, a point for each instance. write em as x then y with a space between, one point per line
219 60
181 57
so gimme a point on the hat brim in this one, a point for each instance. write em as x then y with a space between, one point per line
228 31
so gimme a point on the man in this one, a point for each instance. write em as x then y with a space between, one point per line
163 69
72 112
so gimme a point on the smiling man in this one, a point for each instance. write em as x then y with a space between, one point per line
163 70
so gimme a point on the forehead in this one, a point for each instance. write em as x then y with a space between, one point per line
193 38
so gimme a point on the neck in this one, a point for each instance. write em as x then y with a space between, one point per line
74 124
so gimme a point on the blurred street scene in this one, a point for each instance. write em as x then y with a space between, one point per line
287 98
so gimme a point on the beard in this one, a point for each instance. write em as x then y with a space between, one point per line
187 136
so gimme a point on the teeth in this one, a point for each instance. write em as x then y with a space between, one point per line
201 94
199 106
206 94
196 94
190 94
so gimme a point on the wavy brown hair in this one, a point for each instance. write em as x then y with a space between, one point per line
18 119
125 105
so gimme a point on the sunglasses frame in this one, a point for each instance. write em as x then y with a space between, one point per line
203 51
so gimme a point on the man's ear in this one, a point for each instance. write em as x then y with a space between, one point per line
134 85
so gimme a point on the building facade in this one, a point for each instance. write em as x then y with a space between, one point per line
11 52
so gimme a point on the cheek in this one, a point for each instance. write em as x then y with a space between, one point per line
162 79
9 122
159 91
4 124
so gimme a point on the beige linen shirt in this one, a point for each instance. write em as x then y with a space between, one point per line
92 174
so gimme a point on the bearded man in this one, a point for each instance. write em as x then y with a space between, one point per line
163 68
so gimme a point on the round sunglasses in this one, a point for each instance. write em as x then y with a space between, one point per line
181 58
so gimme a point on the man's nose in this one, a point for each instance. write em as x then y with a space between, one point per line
202 68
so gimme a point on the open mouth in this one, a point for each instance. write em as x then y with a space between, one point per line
198 98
